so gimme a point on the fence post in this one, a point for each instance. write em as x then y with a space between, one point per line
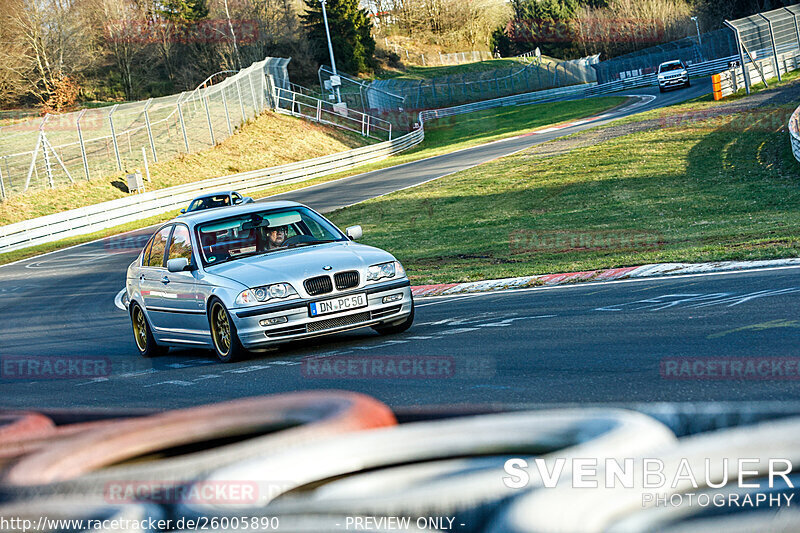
796 26
227 115
146 166
319 110
2 185
114 136
83 146
390 131
208 119
256 109
47 166
745 69
774 48
150 130
423 60
183 124
241 102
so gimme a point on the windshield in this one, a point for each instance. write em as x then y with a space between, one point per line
231 238
668 67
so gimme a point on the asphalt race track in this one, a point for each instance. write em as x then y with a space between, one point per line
599 342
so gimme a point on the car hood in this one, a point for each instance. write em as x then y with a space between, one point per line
295 265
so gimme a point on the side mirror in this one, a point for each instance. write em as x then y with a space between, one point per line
183 210
354 233
179 264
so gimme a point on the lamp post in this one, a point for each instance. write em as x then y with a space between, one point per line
699 37
330 48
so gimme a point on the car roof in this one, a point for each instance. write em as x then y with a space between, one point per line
209 195
673 62
206 215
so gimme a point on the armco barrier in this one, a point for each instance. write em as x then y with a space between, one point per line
731 81
132 208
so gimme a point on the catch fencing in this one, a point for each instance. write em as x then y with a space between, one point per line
102 142
446 91
437 59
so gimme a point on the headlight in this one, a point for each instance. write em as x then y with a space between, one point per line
392 269
259 295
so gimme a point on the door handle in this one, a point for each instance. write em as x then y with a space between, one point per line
165 280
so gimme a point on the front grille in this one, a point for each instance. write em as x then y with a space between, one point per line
318 285
346 280
387 311
338 322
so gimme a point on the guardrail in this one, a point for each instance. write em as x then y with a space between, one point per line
132 208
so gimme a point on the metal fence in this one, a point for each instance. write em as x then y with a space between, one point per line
452 90
304 105
766 36
438 59
102 142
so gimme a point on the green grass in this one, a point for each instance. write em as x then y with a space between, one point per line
722 189
441 136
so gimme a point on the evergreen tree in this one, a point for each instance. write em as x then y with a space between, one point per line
353 45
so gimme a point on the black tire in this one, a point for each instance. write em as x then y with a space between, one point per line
688 83
397 328
143 334
661 89
223 334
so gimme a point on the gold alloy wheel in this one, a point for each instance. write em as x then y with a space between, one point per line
140 328
221 329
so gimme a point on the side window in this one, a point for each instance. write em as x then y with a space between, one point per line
146 252
237 198
156 257
181 243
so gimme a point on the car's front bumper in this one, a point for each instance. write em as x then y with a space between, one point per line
299 324
680 81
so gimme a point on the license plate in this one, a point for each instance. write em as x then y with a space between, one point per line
334 305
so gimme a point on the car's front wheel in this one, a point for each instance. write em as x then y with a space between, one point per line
396 328
143 335
223 334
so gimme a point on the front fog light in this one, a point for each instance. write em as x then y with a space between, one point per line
392 298
274 321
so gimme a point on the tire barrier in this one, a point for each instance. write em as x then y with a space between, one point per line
28 442
21 425
442 484
77 465
567 509
319 461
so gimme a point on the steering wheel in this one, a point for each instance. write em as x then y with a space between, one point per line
297 239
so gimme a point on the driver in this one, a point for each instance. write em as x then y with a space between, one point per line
276 236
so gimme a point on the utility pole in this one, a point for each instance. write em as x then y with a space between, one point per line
330 49
699 38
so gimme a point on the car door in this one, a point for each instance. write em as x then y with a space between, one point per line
152 276
180 295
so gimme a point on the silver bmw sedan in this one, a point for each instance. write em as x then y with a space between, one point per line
256 275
